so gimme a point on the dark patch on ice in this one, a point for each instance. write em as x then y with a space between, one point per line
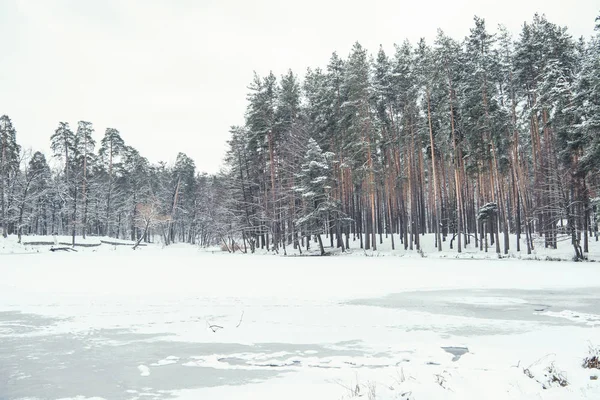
64 366
18 323
457 352
526 313
104 363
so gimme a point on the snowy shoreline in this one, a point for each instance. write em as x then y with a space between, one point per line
564 252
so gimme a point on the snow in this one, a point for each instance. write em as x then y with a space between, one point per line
167 361
144 370
113 323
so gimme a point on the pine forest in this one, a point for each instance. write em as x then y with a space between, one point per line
490 141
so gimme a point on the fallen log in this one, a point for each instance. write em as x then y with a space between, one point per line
62 249
111 243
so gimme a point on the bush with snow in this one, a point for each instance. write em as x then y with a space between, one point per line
546 374
592 361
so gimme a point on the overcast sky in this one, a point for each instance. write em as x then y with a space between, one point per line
171 75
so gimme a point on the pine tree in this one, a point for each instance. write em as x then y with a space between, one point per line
111 145
133 188
9 156
588 99
449 57
315 189
405 85
385 100
32 185
63 144
428 75
586 108
260 120
184 172
242 190
40 197
361 141
288 127
84 144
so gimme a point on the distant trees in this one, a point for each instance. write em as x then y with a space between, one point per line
490 140
114 192
32 188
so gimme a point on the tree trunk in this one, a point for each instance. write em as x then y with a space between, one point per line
435 186
318 235
2 187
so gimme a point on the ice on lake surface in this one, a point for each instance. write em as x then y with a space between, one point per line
514 305
108 361
123 325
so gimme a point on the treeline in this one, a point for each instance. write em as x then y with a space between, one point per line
471 139
100 189
475 140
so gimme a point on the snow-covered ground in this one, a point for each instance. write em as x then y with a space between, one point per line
564 252
180 323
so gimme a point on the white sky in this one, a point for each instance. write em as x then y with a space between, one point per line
172 75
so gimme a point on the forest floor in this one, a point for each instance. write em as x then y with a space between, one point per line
181 323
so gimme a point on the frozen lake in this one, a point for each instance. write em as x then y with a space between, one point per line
182 324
